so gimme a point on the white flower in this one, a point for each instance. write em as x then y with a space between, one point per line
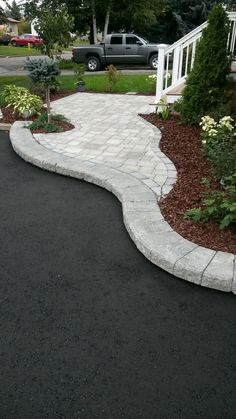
226 119
226 122
152 77
212 132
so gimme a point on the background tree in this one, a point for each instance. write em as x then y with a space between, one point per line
178 18
14 10
205 90
54 26
24 27
103 15
3 17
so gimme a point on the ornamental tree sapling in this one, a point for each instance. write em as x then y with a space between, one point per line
44 71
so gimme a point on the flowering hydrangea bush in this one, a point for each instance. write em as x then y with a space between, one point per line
218 140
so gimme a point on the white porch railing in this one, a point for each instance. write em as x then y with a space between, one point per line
176 61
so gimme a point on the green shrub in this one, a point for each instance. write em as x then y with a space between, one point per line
42 123
79 70
219 145
206 86
112 75
65 64
21 100
219 206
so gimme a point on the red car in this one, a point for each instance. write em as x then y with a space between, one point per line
25 39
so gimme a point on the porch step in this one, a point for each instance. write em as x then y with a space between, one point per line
176 93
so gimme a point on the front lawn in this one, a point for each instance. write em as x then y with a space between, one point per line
9 51
99 83
94 83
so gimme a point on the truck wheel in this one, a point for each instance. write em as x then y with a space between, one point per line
93 64
14 44
154 61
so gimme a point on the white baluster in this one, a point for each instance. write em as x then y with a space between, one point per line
160 70
175 64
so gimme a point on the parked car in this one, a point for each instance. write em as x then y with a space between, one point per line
25 39
120 48
5 39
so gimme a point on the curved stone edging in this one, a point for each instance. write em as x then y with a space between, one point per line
152 235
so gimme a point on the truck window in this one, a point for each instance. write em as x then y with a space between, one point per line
117 40
131 40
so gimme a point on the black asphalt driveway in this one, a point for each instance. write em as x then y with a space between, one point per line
89 327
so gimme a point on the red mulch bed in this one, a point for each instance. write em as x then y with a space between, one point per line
9 117
182 145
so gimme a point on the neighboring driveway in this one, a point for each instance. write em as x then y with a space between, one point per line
89 327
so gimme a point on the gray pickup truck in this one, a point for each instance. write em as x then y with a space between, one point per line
118 48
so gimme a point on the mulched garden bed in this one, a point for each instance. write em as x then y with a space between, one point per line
9 117
182 145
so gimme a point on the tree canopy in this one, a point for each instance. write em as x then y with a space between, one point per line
49 24
158 20
13 10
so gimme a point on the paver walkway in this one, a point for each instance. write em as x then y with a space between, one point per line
108 131
113 147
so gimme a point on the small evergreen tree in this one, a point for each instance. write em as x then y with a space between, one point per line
205 89
44 71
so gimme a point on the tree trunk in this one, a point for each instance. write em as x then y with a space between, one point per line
107 18
95 37
48 104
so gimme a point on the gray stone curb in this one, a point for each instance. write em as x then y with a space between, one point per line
152 235
5 127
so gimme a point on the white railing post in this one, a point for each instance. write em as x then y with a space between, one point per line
175 70
160 70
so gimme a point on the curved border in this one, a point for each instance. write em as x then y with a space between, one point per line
152 235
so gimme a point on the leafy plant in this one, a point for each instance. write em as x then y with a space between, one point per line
152 80
42 123
217 205
22 100
79 70
162 108
112 75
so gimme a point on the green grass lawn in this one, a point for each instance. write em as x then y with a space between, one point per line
99 83
96 83
9 51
